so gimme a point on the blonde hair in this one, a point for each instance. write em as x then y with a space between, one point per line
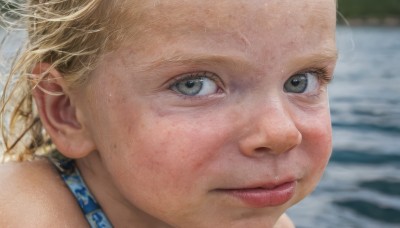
70 35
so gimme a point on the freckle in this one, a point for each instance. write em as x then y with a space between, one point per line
123 99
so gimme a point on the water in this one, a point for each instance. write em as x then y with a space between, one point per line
361 186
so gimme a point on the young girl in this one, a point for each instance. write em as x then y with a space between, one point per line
166 113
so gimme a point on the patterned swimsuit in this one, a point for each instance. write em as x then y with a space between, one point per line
73 179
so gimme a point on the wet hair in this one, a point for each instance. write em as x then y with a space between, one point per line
71 35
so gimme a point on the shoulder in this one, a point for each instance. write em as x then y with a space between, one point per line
284 222
32 194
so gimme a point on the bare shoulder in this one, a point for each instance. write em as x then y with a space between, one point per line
32 194
284 222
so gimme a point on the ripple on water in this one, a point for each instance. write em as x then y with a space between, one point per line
372 210
354 157
388 187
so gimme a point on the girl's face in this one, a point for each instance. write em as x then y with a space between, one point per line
216 112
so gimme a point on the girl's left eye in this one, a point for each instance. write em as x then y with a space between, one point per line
302 83
195 85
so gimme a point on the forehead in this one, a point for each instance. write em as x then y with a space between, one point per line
186 15
246 24
232 12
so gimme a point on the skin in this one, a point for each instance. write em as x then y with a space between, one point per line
154 157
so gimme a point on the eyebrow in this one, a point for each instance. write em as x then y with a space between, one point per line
193 59
324 56
327 55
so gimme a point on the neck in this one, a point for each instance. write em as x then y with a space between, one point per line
120 212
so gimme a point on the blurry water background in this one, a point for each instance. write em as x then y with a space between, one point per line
10 44
361 186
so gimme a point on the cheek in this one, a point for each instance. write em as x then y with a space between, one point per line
319 142
174 159
173 153
322 136
178 143
317 148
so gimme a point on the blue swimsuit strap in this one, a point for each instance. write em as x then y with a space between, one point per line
73 179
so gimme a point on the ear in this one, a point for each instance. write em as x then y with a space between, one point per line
58 113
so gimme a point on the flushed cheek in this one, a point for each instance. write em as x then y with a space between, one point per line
170 160
174 152
319 146
182 144
320 138
316 147
193 140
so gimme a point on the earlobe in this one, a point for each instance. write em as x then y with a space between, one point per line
58 113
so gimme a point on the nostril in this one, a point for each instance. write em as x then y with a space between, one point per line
270 140
262 150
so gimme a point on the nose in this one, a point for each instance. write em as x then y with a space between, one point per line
272 131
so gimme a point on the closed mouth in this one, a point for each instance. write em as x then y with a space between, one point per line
267 195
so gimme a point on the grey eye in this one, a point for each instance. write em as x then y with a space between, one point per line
189 87
198 86
296 84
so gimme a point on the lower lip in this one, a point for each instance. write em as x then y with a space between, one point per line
262 197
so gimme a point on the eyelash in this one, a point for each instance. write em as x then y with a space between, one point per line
196 75
321 73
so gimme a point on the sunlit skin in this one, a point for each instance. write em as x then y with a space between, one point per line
164 158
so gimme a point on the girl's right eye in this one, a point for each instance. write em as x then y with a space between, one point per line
197 84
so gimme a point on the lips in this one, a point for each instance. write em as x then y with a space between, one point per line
263 195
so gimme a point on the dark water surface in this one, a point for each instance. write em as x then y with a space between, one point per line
361 187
